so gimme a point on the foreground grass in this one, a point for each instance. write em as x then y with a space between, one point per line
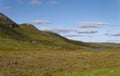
95 72
36 62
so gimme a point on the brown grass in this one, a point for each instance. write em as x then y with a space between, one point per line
48 62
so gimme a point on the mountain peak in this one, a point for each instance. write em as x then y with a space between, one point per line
4 20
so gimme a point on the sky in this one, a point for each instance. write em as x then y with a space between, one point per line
84 20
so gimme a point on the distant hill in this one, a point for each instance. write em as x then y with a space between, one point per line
26 35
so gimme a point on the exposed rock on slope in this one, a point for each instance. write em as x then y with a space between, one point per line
7 22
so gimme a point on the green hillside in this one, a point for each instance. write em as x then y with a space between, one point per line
27 35
28 51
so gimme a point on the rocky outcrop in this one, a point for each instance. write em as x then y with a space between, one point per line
4 20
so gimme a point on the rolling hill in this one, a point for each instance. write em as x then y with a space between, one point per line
13 35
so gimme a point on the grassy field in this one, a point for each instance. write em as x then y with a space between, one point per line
28 51
37 62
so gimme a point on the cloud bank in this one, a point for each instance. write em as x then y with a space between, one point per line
91 24
87 32
37 22
56 30
95 24
73 35
112 34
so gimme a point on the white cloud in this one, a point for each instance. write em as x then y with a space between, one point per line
91 24
62 30
95 24
73 35
37 22
113 34
56 30
87 32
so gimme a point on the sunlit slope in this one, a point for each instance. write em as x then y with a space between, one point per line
26 35
48 38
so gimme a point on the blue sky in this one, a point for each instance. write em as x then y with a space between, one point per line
85 20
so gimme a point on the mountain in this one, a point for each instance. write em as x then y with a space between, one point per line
4 20
13 35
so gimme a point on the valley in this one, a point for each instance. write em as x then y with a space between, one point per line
28 51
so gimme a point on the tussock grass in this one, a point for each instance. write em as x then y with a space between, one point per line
37 62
